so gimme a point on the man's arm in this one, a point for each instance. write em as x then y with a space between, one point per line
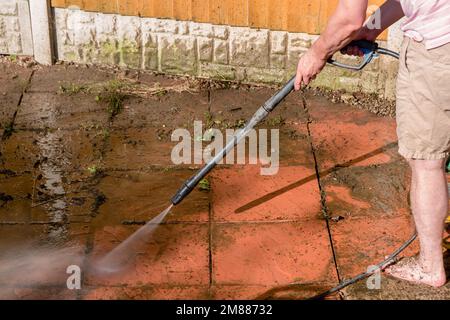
345 25
389 13
342 27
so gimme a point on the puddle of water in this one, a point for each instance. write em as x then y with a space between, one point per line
123 255
50 148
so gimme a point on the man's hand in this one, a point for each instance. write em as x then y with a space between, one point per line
343 25
309 66
363 34
390 12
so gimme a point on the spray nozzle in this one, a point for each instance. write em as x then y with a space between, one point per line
184 191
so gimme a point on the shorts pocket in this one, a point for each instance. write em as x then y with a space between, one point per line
442 90
404 54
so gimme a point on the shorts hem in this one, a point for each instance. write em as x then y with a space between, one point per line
422 156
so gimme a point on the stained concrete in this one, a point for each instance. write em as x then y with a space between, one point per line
75 182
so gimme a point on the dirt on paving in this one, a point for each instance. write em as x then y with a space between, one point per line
382 188
87 160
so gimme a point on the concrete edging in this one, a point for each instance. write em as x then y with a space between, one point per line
41 30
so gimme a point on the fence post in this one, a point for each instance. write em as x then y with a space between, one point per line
41 25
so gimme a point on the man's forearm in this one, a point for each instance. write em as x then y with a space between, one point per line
347 22
390 12
342 27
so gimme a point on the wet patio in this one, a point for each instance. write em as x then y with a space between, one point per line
77 180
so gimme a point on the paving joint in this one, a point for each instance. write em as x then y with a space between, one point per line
323 200
210 245
227 223
8 133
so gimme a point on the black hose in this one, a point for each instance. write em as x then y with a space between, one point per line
379 267
387 52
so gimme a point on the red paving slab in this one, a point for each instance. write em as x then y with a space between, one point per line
231 105
321 108
13 80
242 194
139 148
72 150
336 193
137 196
33 293
19 237
283 292
238 292
362 242
272 254
374 191
174 110
345 135
30 258
295 146
368 190
266 230
50 110
147 293
174 255
18 207
356 144
50 79
366 194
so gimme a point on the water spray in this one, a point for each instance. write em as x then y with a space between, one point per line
122 255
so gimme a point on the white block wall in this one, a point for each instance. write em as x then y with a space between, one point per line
15 28
204 50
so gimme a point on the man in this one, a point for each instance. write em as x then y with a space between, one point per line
423 111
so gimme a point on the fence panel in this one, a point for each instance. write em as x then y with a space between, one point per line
308 16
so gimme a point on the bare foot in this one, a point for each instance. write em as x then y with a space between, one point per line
410 269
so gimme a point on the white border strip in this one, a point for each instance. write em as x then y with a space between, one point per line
41 30
25 27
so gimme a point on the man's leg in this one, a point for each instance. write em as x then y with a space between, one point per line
429 203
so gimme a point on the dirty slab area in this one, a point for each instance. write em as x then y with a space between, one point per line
86 162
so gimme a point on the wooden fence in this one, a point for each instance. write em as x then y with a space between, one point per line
308 16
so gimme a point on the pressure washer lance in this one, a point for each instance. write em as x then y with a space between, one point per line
371 50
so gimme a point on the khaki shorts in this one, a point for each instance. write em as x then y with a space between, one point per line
423 101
